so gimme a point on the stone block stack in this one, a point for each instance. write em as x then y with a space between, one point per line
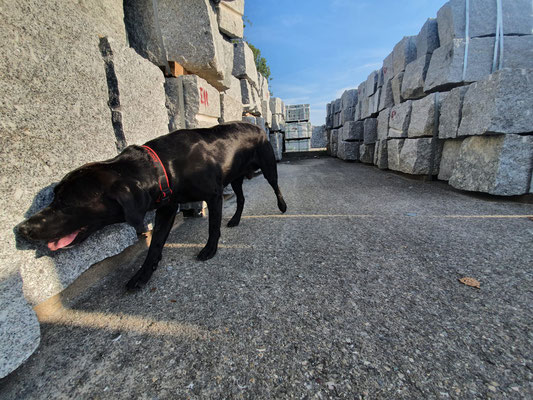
319 138
277 128
451 103
298 129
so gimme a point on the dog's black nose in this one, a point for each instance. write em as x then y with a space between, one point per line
24 229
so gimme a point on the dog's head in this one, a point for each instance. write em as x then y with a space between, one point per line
86 200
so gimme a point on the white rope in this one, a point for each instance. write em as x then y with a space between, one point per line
497 63
467 37
500 14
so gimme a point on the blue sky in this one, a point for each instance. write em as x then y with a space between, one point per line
317 49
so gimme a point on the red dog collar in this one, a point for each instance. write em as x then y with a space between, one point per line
164 184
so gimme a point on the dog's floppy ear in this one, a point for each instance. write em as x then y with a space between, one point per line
134 202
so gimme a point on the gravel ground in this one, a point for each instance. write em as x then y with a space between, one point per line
353 293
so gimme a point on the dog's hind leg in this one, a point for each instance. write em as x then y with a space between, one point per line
214 205
237 188
267 163
164 219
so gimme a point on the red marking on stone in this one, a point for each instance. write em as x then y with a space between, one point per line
204 97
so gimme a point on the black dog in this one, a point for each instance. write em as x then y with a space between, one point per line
183 166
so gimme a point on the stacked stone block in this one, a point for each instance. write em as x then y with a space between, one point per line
298 129
449 106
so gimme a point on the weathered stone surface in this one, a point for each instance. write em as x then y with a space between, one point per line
420 156
250 119
186 23
394 148
423 115
265 111
502 103
386 99
230 108
381 158
404 52
349 132
499 165
201 101
141 96
334 142
388 68
517 19
427 39
229 17
360 129
244 64
276 140
278 122
260 122
298 130
371 83
347 115
54 97
142 34
250 98
414 78
349 99
383 124
319 138
373 103
348 151
450 155
446 65
381 78
175 104
365 106
361 96
277 106
370 130
337 105
400 116
366 153
396 85
451 112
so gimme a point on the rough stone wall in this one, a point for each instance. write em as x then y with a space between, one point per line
430 104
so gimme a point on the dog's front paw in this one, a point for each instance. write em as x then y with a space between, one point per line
207 253
139 279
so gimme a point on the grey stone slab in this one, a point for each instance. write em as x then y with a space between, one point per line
381 157
349 99
451 113
250 119
450 154
360 129
360 97
404 52
371 83
423 115
386 99
394 148
373 102
502 103
250 98
446 66
383 124
347 114
366 153
348 151
201 100
276 140
400 116
278 122
20 329
276 106
141 96
517 19
334 140
388 68
55 115
420 156
142 33
337 120
184 25
229 17
337 105
175 104
366 106
396 85
350 132
230 108
244 64
370 130
266 113
499 165
381 78
518 52
414 78
427 39
319 138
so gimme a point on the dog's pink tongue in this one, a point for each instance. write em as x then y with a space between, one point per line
63 242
